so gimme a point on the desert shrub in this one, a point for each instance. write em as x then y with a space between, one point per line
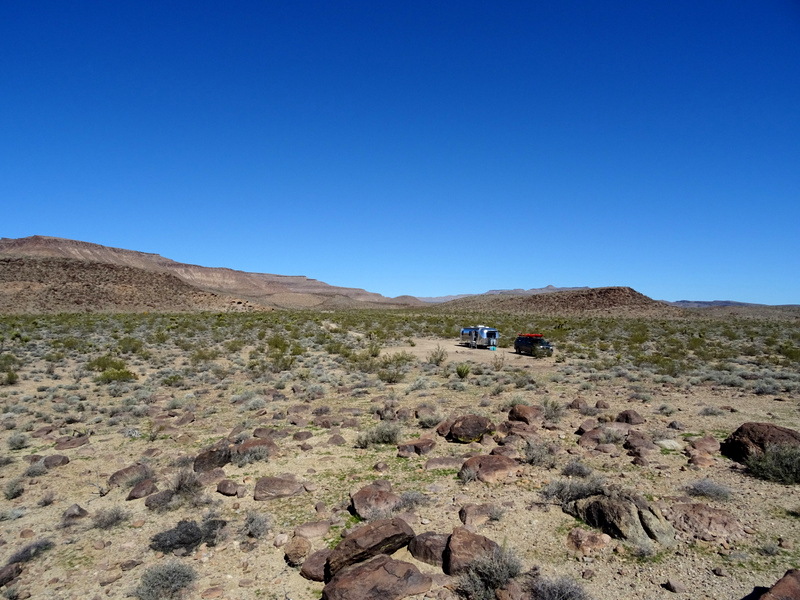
251 455
575 468
463 370
611 436
12 514
186 535
18 441
13 489
165 580
186 484
105 363
778 463
539 455
487 574
568 490
428 421
708 488
256 524
711 411
10 377
553 410
31 551
411 500
467 475
112 375
47 499
437 356
37 469
109 518
561 588
384 433
666 410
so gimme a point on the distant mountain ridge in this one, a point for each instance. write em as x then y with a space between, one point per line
516 292
252 289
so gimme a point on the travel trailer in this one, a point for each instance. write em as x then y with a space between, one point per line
480 336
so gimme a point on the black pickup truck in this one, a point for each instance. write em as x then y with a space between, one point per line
533 344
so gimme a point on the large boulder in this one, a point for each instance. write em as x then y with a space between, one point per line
384 536
429 547
526 414
751 439
489 468
218 455
624 516
284 486
313 567
702 522
381 578
469 428
374 500
786 588
463 548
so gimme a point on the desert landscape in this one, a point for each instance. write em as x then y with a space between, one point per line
169 432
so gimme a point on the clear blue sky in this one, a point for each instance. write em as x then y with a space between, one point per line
416 147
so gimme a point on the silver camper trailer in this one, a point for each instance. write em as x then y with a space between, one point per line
480 336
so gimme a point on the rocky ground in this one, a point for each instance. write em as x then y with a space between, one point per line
275 465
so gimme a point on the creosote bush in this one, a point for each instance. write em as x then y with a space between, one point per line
777 463
109 518
562 588
384 433
487 574
164 581
568 490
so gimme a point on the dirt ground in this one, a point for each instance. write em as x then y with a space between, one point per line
90 562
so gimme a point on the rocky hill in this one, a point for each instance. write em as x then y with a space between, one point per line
249 289
612 301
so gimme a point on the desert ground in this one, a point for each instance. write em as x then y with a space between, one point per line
334 395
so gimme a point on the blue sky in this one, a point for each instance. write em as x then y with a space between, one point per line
417 147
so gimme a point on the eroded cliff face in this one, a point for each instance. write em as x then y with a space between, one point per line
257 289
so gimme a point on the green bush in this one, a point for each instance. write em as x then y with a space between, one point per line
111 375
385 433
463 370
778 463
165 581
437 356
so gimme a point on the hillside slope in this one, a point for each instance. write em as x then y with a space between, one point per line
280 291
610 301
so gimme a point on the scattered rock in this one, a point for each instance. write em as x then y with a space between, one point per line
463 548
55 460
383 536
416 447
630 416
269 488
752 438
297 550
142 489
374 499
381 578
490 468
211 458
313 567
429 547
702 522
469 428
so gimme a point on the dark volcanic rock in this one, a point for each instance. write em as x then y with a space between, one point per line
526 414
624 516
490 468
429 547
630 416
702 522
463 548
469 428
374 499
55 460
752 438
381 578
313 567
268 488
384 536
133 472
786 588
416 447
211 458
142 489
